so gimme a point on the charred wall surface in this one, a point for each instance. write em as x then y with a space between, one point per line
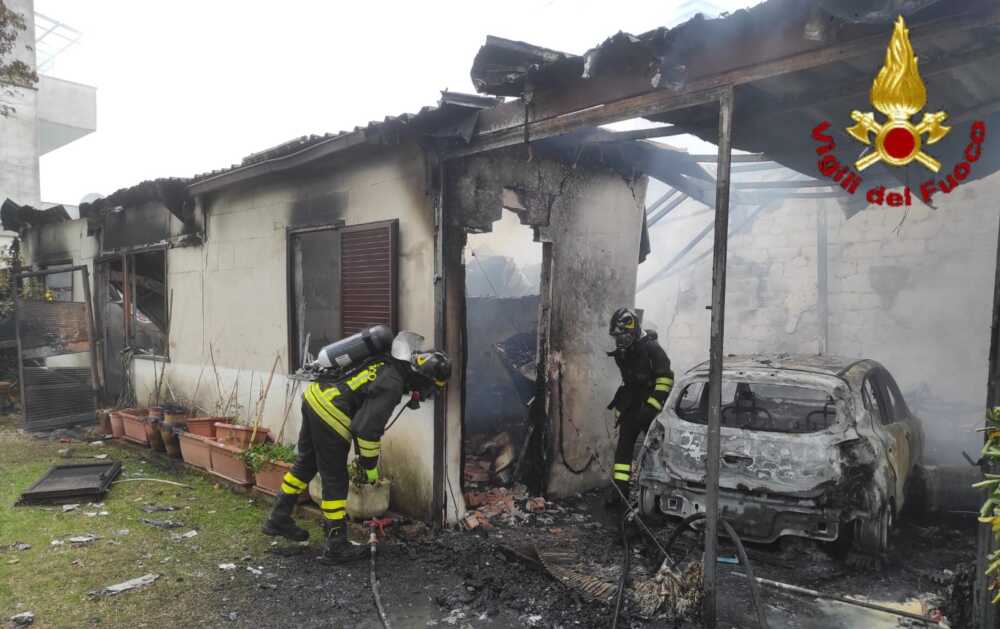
590 220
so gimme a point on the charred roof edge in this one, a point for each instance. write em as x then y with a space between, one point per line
308 154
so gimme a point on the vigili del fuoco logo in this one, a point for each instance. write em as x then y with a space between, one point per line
898 93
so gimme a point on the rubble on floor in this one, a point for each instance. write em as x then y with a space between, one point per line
125 586
512 507
674 593
162 524
489 460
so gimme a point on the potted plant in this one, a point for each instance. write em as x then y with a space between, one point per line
269 462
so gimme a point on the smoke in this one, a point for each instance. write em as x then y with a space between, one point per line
504 262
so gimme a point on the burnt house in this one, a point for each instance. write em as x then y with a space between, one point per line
315 239
260 255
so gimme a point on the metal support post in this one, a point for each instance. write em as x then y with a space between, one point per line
715 353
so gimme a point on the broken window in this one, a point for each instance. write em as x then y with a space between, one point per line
135 302
761 406
148 277
870 396
59 286
341 280
314 257
149 306
894 398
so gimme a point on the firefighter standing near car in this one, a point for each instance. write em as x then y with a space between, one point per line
352 409
646 383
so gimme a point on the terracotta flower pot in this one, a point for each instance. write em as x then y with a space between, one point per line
196 450
117 425
205 426
227 464
269 477
239 436
134 426
104 422
173 419
170 441
153 434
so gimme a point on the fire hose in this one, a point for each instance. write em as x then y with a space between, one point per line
376 593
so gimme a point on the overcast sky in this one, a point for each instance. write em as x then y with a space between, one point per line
186 86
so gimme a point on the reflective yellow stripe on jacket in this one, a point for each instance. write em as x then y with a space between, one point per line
321 401
369 449
664 384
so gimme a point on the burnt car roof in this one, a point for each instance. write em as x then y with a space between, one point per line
832 365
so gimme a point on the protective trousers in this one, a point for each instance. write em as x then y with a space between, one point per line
633 423
321 450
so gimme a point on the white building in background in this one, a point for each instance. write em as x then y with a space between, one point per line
53 114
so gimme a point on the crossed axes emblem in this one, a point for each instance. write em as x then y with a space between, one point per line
898 141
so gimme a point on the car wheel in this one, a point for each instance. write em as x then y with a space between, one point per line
872 536
648 500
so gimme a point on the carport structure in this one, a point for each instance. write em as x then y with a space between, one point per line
759 80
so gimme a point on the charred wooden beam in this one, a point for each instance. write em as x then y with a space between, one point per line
615 98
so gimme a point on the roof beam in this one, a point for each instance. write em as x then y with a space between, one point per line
638 134
597 102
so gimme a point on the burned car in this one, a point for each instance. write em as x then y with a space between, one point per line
811 446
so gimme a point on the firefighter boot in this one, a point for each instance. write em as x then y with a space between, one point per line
281 523
339 548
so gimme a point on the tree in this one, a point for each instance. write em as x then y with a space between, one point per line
14 73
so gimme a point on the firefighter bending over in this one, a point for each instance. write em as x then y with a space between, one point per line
646 383
352 409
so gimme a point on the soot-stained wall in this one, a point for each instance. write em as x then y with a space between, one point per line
591 220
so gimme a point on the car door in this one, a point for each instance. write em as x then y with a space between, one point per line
915 434
896 425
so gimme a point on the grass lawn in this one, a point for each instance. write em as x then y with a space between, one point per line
53 581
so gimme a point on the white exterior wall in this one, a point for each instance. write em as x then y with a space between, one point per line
230 294
19 180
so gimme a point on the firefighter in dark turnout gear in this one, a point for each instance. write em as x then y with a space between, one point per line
646 383
351 410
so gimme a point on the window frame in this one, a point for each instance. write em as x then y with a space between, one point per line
291 320
68 264
885 414
128 314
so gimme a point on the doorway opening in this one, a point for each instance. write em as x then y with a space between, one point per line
502 279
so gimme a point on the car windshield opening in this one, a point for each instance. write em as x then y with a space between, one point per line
761 406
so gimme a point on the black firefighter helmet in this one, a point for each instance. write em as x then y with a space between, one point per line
624 328
433 365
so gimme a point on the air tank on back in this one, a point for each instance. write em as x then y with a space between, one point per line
354 349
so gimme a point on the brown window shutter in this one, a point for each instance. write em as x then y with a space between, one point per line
368 276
